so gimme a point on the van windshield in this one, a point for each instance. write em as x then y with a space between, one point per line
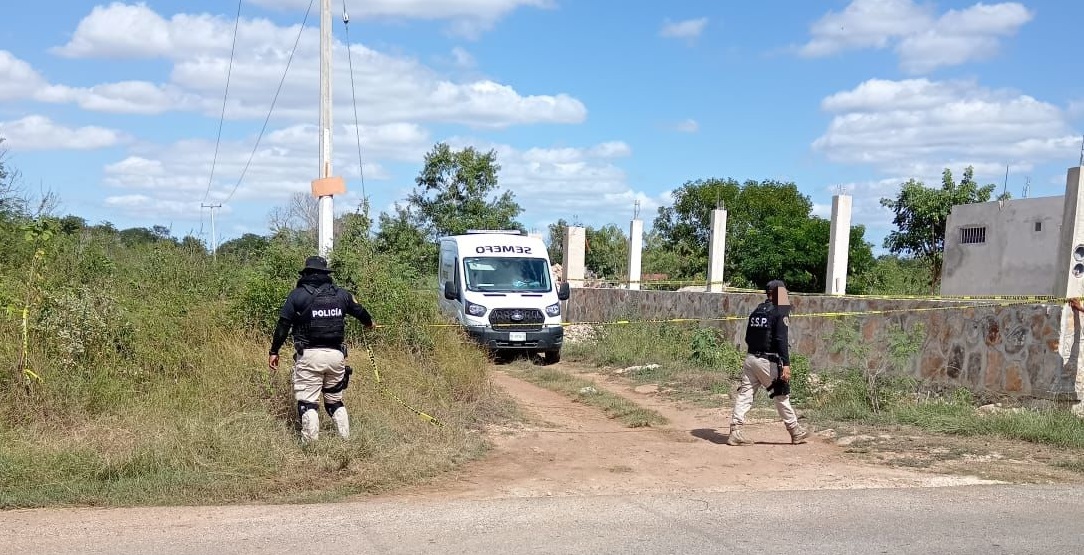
507 274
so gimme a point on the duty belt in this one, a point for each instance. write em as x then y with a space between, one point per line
773 357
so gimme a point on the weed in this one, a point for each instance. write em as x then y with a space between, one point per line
154 387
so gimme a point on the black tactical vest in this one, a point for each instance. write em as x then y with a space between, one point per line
758 331
323 323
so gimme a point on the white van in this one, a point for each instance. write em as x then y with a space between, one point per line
498 285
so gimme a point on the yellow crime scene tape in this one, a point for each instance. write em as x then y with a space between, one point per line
1003 301
730 289
856 313
384 389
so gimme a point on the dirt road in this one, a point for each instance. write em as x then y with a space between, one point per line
568 448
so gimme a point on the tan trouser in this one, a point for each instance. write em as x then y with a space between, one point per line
756 373
315 370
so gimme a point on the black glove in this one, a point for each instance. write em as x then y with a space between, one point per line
779 387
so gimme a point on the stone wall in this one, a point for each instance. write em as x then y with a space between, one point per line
1015 350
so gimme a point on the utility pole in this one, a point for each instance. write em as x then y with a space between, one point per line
325 187
214 236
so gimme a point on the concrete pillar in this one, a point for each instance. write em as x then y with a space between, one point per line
717 250
1069 275
839 245
1069 283
572 267
636 252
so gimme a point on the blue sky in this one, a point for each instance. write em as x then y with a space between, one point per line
591 106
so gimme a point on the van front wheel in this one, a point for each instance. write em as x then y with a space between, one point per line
553 357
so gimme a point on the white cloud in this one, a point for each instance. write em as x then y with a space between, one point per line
151 209
284 163
41 133
462 58
390 88
468 18
687 29
17 78
568 182
687 126
419 9
923 40
909 127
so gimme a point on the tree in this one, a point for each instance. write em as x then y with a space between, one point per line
556 246
246 248
300 215
12 202
771 233
607 251
456 191
401 238
921 215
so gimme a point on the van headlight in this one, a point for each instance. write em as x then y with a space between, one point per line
475 309
553 309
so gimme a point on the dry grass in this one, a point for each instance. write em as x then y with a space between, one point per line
227 433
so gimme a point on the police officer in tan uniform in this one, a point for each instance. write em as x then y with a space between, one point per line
316 311
767 364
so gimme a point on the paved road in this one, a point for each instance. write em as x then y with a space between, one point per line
973 519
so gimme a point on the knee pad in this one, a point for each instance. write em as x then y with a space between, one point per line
332 407
304 406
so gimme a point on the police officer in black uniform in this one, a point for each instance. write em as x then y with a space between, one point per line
767 364
316 311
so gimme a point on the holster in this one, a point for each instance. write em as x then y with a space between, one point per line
342 384
778 387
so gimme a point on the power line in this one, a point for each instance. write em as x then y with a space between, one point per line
225 95
273 102
354 97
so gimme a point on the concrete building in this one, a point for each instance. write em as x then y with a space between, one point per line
1002 248
1015 247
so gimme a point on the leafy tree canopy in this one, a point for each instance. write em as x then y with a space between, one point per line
771 233
921 215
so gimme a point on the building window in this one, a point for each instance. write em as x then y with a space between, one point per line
1038 226
973 235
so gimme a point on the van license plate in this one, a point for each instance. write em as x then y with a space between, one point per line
517 336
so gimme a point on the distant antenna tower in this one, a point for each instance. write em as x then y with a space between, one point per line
1027 187
1005 187
1082 151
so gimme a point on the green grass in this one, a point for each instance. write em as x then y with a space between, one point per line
589 393
697 365
154 386
694 364
849 401
208 440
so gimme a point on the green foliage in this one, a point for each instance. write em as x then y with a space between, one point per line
921 215
246 248
401 238
771 233
606 248
153 381
454 190
876 377
895 276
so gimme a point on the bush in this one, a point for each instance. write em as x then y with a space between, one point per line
150 380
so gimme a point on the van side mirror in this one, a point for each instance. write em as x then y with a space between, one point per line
564 292
449 291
